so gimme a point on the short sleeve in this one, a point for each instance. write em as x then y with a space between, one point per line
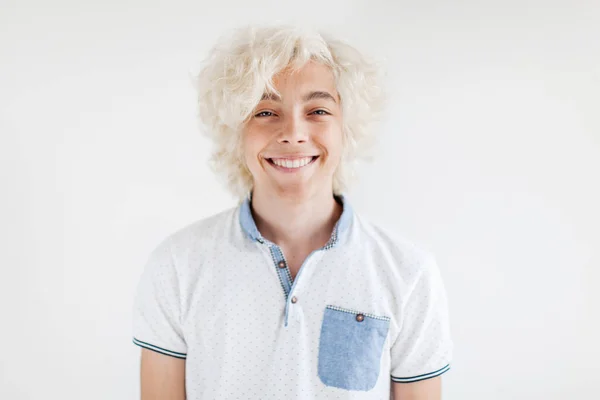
423 347
157 305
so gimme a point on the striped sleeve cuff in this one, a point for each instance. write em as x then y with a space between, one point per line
159 349
421 377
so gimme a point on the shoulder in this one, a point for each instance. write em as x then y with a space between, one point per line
210 226
198 235
406 256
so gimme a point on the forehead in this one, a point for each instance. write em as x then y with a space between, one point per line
312 76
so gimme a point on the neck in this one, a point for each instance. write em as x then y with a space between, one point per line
296 222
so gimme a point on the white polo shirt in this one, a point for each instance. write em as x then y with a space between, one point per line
366 309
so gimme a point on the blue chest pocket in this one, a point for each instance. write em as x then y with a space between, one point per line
350 348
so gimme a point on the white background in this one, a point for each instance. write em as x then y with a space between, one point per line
490 158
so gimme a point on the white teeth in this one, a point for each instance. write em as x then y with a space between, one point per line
296 163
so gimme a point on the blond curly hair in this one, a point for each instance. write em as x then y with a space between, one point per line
241 67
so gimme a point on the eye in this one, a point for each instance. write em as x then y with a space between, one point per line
264 114
320 112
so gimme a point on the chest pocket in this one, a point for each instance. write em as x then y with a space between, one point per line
350 348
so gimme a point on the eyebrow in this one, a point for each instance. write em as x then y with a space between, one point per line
318 94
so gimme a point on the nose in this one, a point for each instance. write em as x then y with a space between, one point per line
293 131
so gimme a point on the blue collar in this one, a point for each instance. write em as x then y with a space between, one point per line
340 229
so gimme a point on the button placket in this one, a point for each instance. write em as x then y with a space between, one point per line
278 260
288 283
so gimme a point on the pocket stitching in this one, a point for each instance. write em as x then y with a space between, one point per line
350 311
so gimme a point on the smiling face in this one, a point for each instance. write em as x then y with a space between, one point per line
293 144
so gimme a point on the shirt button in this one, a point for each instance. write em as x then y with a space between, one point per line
281 264
294 299
359 317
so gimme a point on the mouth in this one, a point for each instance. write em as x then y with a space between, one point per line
291 164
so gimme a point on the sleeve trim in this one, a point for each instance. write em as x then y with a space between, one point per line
421 377
159 349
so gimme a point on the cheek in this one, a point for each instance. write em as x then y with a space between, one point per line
333 141
250 157
254 143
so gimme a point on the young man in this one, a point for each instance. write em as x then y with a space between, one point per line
291 294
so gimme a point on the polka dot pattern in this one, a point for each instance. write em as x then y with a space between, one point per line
214 294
